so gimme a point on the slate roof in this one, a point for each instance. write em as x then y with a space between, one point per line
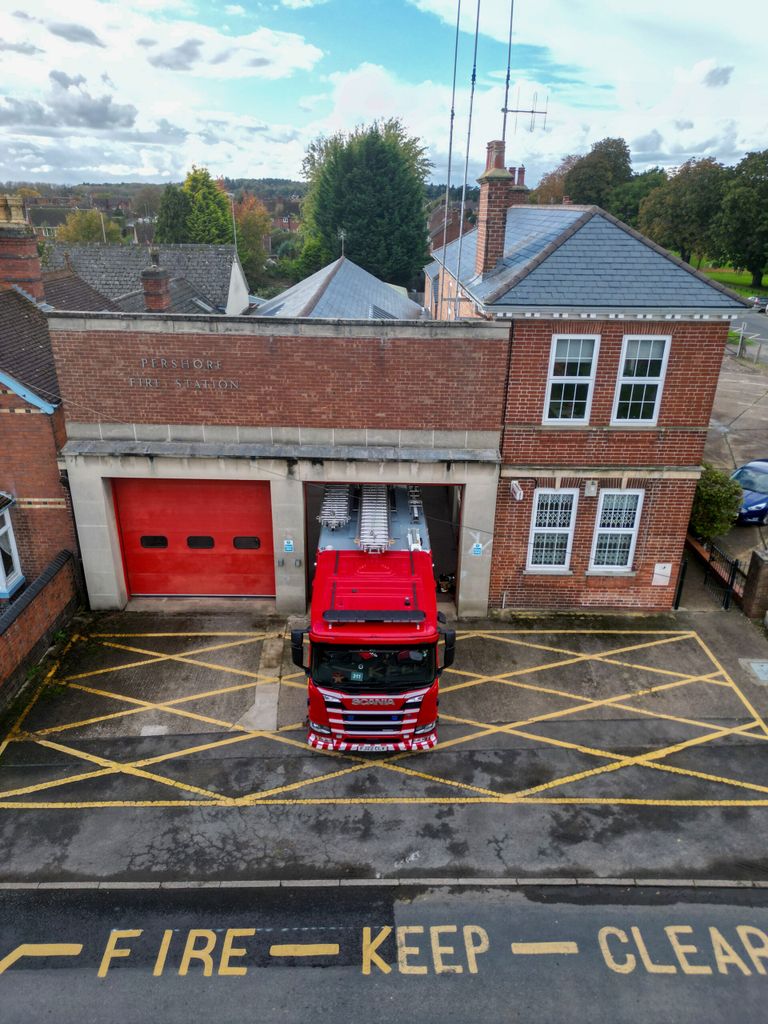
25 345
48 216
580 257
342 290
65 290
115 270
184 299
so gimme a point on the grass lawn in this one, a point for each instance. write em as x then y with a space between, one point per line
738 281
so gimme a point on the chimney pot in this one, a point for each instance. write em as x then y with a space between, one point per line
521 176
495 185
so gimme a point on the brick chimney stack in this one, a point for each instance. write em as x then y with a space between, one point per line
157 291
495 183
519 191
19 258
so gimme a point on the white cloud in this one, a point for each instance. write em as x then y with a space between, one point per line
234 9
296 4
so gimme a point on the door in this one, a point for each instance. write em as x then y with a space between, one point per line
196 537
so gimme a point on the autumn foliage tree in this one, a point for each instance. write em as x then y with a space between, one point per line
84 226
253 226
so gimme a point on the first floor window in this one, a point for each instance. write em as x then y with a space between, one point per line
641 379
618 518
10 570
554 517
571 376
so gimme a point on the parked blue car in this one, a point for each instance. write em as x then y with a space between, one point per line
754 482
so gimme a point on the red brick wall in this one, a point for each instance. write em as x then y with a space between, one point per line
28 470
450 383
661 537
43 615
695 357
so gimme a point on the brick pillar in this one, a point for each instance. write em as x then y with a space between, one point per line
495 182
755 600
19 258
157 292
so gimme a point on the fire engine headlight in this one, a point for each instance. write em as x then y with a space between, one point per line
319 728
421 729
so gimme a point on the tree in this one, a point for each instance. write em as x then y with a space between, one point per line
253 225
592 177
624 200
146 202
680 214
210 218
172 216
716 503
83 226
741 226
370 186
551 187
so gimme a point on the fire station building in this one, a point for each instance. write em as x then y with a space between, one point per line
553 412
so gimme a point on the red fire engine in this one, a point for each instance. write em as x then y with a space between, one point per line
374 627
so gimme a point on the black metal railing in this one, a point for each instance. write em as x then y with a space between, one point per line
723 576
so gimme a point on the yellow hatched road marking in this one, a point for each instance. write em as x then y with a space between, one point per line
40 949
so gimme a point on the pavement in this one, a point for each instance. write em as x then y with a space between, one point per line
171 748
439 952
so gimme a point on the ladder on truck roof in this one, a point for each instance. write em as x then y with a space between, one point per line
374 518
335 511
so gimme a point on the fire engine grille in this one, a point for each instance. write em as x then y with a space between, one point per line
379 722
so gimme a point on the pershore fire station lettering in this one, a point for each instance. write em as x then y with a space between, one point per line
160 383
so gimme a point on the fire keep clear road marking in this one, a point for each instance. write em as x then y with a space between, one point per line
418 950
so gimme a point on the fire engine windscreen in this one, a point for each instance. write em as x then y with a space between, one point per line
380 667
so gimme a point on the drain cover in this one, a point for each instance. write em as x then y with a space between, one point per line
759 669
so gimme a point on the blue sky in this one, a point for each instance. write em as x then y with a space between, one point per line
141 89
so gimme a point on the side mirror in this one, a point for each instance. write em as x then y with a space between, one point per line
449 654
297 648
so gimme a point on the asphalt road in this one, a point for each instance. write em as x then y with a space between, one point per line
553 954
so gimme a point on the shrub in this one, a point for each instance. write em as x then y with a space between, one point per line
716 503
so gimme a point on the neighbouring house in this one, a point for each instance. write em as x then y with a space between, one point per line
210 274
46 220
442 230
342 290
38 573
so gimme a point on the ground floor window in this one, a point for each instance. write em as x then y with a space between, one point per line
618 518
552 523
10 569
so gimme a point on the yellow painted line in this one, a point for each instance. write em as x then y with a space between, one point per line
544 948
590 632
306 949
249 634
40 949
188 660
742 696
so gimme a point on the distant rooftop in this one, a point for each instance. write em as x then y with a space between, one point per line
25 346
342 290
114 270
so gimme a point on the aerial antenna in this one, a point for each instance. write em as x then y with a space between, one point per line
466 164
450 160
342 235
509 68
532 110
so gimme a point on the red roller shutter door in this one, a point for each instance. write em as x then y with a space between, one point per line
196 537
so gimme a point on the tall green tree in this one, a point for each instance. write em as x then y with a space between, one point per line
551 187
592 178
88 226
368 185
624 200
681 214
741 226
210 215
171 226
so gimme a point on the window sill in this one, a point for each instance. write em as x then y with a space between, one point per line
610 572
547 572
9 591
634 424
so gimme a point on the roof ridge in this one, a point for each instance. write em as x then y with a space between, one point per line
546 252
649 243
313 300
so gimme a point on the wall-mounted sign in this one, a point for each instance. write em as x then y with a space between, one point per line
207 375
288 546
477 550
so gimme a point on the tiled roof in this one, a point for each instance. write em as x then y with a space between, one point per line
184 299
115 270
65 290
48 216
25 346
581 257
342 290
